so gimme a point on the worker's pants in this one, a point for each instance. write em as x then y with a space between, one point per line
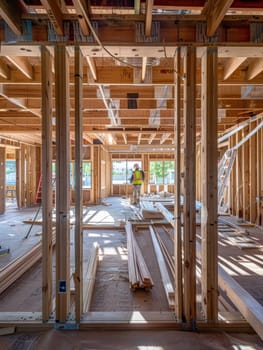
136 193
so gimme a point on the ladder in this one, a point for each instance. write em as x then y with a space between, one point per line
38 196
224 170
39 190
225 167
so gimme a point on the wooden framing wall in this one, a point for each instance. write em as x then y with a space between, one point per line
189 243
177 190
47 191
245 190
62 183
78 276
209 266
246 184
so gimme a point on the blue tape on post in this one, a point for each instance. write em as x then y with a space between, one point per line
62 287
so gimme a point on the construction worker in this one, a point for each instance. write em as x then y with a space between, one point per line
137 180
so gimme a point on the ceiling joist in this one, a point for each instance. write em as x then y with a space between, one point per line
215 12
22 65
10 12
55 15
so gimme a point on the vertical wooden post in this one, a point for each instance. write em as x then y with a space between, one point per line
245 175
78 185
252 174
232 190
46 74
239 177
28 175
189 297
198 172
259 219
177 189
209 184
146 170
96 173
62 182
2 179
23 176
18 178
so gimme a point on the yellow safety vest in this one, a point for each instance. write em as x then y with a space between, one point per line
137 177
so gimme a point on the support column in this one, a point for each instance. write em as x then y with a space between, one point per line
146 169
2 179
63 184
209 184
18 178
259 220
46 199
245 175
239 177
23 176
96 173
177 189
78 278
189 297
252 174
232 187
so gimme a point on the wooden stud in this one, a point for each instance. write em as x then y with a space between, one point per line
189 297
245 175
23 177
9 11
209 185
2 179
62 183
96 173
259 220
252 174
232 190
78 185
18 178
239 178
46 64
177 190
148 17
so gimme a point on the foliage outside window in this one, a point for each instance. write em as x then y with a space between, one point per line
10 172
161 172
122 171
86 174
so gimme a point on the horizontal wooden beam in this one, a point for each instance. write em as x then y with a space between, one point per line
11 13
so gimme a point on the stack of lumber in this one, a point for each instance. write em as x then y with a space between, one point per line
89 275
15 269
167 283
149 211
139 274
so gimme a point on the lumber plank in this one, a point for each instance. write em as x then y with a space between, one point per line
46 195
62 183
89 275
209 179
167 283
78 183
